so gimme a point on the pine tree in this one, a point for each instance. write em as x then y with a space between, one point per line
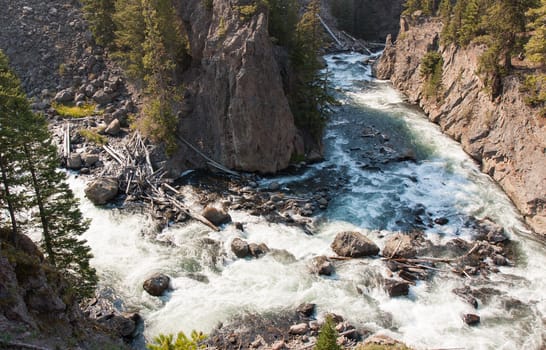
129 36
469 23
309 101
36 164
99 15
536 47
327 338
283 17
13 109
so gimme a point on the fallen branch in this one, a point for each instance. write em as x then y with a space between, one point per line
210 161
23 345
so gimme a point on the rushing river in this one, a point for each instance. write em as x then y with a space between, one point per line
211 286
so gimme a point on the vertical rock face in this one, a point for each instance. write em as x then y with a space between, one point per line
238 113
505 135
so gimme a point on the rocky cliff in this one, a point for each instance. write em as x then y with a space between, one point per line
235 109
507 137
37 308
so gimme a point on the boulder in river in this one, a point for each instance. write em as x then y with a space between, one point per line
487 230
216 216
74 161
396 288
321 265
240 248
102 190
354 245
258 250
157 284
399 245
306 309
471 319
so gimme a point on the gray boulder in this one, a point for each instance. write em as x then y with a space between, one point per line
102 190
399 245
113 128
258 250
74 161
396 288
216 216
157 284
353 245
66 95
240 248
102 97
90 159
321 265
299 329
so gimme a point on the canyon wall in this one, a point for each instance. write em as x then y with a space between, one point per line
503 134
235 108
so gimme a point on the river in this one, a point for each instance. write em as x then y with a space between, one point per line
210 285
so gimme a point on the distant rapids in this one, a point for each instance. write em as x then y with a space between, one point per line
433 177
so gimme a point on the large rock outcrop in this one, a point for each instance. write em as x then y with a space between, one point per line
235 110
504 135
37 305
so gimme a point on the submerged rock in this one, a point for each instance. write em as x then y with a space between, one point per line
354 245
157 284
321 265
396 288
258 250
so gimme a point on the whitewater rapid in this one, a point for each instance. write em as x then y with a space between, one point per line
211 286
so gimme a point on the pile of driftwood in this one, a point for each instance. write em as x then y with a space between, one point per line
137 177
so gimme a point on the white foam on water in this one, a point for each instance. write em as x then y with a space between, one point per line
448 183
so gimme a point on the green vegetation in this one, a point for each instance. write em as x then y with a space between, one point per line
426 6
93 136
508 28
431 69
30 180
182 342
310 100
73 111
246 11
327 338
149 41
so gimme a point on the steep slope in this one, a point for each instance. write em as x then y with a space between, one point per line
37 307
504 135
236 109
